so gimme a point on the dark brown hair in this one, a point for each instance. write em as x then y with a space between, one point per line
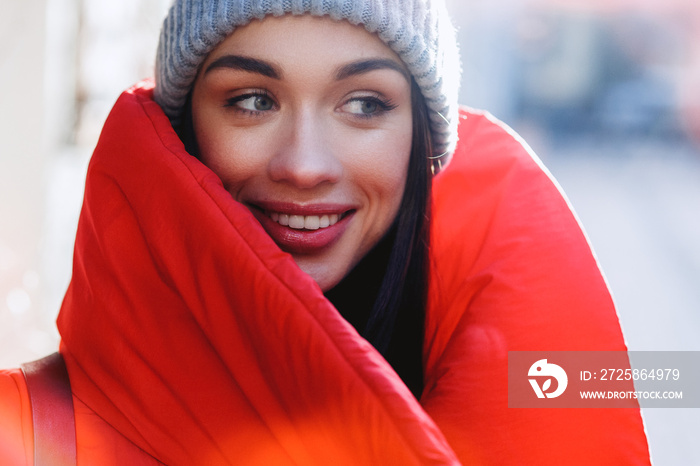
396 322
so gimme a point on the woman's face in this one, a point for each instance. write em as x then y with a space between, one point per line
308 123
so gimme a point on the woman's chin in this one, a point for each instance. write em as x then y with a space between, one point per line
326 275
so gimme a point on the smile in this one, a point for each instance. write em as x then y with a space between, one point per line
305 222
304 229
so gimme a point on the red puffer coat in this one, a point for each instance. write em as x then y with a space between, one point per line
191 338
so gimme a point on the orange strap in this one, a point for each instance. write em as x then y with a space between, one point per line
52 411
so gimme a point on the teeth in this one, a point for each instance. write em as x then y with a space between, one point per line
304 222
312 222
296 222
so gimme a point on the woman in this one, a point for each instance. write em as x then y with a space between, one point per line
262 277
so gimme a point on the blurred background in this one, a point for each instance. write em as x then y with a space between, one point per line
606 92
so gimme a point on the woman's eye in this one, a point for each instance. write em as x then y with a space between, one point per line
366 106
362 106
252 102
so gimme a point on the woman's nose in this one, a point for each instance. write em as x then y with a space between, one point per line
306 156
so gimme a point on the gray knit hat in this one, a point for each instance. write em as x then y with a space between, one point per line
419 31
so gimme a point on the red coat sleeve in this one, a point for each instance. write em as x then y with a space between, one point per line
513 271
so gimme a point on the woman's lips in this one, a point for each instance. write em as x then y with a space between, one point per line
303 229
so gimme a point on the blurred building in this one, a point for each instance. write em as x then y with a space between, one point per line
616 68
63 63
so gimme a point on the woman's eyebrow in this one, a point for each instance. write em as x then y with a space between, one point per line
252 65
365 66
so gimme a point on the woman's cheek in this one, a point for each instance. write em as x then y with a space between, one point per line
234 153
